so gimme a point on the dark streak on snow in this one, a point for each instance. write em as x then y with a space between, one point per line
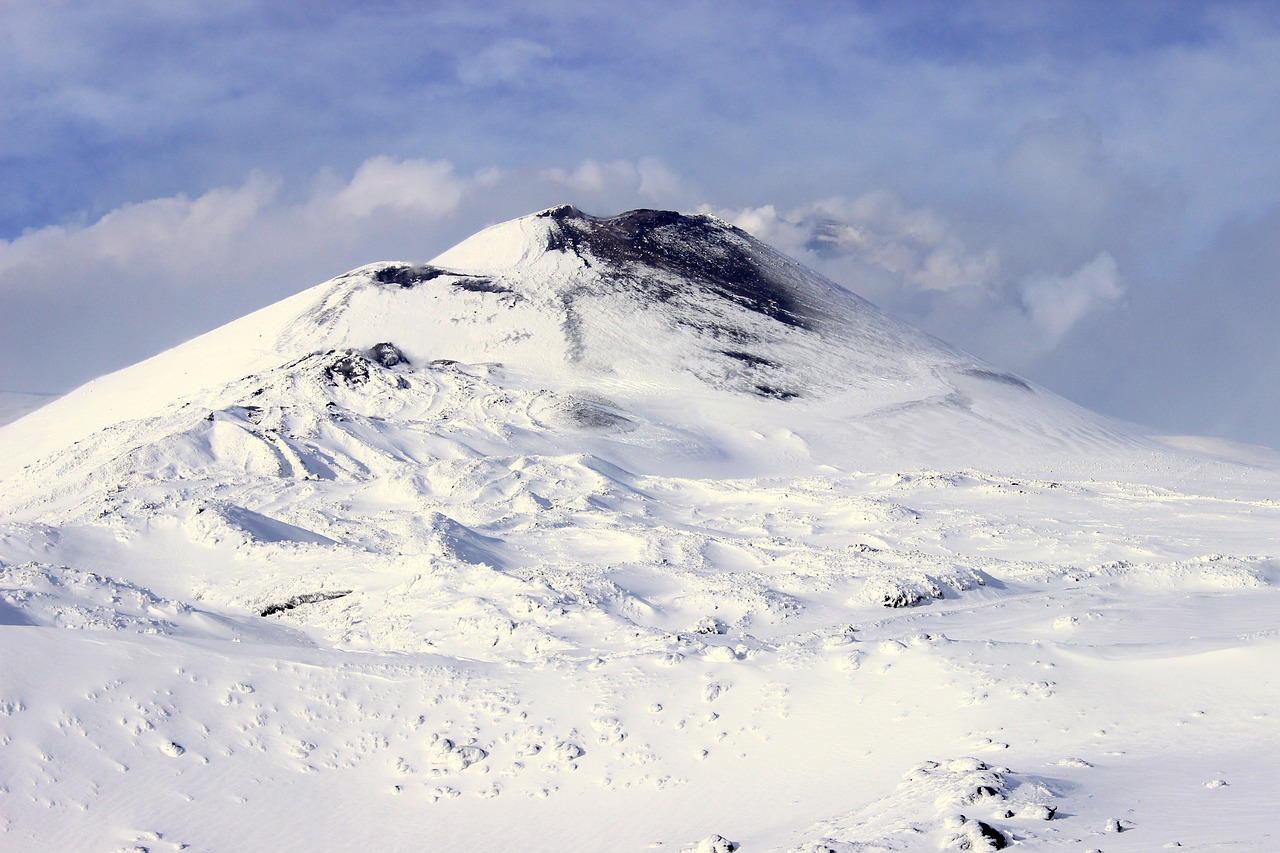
721 332
408 276
749 358
775 393
993 376
477 284
594 415
305 598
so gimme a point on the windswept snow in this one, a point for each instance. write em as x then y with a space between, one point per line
622 534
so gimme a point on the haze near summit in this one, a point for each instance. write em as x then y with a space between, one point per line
1083 193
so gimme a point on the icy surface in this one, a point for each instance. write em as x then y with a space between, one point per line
622 534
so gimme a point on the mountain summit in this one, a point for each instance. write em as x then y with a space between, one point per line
683 320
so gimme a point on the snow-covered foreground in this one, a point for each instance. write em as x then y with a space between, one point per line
567 543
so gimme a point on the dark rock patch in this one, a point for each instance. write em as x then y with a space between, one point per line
253 414
408 276
387 354
350 368
994 837
299 600
775 393
902 592
478 284
983 792
644 246
749 358
902 598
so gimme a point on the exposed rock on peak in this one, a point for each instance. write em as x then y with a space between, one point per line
662 252
658 315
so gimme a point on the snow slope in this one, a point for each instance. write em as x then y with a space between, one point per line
622 534
15 404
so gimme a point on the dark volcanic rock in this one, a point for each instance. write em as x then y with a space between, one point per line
409 276
387 354
349 367
994 837
299 600
661 252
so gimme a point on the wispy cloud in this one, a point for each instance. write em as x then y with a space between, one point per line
409 186
1056 303
914 263
511 61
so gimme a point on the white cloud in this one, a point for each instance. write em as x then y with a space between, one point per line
647 179
410 186
167 235
656 181
1055 304
509 60
874 244
914 243
592 176
1076 197
171 234
914 263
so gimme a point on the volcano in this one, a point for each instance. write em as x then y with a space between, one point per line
614 533
683 320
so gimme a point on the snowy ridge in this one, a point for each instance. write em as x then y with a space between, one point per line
657 323
619 533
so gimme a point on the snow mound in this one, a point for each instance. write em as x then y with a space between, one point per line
36 595
960 804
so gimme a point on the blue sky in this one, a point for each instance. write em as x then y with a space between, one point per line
1085 193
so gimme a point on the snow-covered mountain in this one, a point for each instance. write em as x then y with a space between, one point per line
600 533
683 321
